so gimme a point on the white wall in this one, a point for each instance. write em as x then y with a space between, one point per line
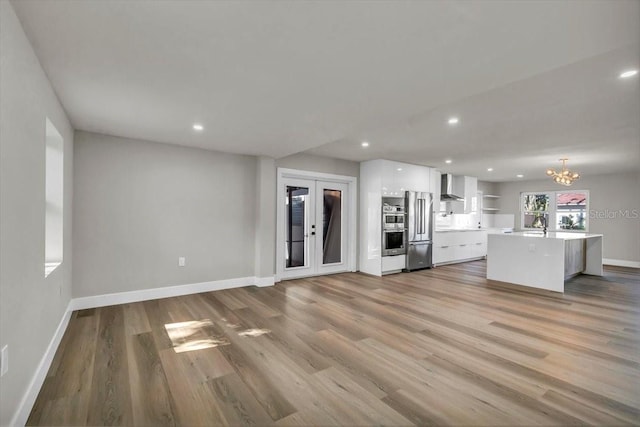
487 187
31 307
265 218
310 162
140 205
611 193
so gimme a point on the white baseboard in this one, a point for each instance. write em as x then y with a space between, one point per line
621 262
265 281
29 398
167 291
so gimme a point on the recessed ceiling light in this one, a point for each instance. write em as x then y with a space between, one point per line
489 169
628 73
448 161
520 175
453 121
365 144
399 169
198 127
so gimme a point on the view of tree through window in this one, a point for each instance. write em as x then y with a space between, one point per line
536 210
557 210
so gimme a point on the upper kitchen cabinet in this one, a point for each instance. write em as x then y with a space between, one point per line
400 177
470 194
434 182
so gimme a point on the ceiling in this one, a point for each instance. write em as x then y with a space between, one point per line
530 81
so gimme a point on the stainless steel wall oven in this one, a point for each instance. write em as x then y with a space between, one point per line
393 226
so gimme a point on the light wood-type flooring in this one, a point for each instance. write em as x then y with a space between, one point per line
433 347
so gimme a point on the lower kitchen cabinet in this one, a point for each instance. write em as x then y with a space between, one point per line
443 254
393 264
458 246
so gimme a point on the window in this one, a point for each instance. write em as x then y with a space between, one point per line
536 210
558 210
54 180
571 210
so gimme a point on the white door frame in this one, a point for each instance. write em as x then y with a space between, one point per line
352 185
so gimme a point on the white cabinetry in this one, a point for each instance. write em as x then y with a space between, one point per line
470 194
371 217
400 177
384 178
393 263
434 183
458 246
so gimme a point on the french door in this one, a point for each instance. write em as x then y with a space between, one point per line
314 230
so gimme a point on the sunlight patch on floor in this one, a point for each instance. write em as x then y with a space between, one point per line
194 335
253 332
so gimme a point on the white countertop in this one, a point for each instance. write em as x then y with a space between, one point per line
447 230
553 235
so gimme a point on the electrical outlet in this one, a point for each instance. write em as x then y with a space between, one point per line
182 261
4 360
532 247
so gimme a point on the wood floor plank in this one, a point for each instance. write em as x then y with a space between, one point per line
72 380
158 318
265 391
146 373
442 346
378 379
238 405
195 404
621 409
110 397
356 398
586 413
286 339
135 319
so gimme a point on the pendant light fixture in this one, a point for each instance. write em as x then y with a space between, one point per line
565 176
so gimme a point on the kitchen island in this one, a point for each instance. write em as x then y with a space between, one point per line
541 260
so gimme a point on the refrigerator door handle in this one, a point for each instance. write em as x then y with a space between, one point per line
423 214
416 220
420 217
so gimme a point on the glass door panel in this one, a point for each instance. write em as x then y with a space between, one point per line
331 226
331 242
297 223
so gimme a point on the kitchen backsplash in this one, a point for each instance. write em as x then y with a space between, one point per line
498 221
471 221
456 221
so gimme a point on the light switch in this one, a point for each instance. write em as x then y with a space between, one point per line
532 247
182 261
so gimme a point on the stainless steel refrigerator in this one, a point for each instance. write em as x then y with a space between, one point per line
419 211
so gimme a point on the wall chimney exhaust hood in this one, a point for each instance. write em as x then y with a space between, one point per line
451 187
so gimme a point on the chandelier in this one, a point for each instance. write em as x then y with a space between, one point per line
565 176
